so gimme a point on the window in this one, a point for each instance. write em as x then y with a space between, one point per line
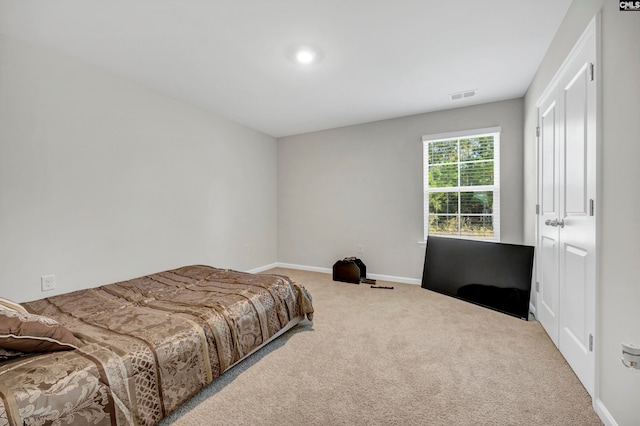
462 184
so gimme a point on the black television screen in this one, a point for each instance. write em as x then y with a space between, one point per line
494 275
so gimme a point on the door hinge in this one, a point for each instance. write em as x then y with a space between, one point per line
591 71
591 343
537 208
538 286
592 207
538 132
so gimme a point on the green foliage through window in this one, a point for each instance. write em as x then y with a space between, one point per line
460 174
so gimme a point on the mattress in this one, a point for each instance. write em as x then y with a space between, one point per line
145 345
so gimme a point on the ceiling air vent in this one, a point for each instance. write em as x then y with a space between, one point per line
462 95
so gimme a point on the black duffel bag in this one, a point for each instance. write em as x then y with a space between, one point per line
349 270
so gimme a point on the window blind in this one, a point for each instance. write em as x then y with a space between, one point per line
462 184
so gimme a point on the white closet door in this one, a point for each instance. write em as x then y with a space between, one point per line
549 210
567 226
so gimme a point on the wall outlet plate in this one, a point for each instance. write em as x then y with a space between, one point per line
48 282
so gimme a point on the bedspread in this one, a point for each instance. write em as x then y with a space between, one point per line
146 345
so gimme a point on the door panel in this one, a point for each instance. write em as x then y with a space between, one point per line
548 152
548 308
575 149
574 312
577 186
547 312
566 222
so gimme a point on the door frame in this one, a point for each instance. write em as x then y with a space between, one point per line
593 29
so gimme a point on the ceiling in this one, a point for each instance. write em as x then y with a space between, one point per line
378 59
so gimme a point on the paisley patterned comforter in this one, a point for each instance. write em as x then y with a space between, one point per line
146 345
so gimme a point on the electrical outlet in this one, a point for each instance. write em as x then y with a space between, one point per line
360 249
48 282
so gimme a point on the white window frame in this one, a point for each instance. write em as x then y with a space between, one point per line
489 131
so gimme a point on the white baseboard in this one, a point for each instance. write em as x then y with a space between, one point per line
262 268
532 309
390 278
603 413
404 280
305 268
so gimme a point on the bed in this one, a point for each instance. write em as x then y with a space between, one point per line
130 353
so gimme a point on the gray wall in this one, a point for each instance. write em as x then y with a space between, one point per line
102 180
619 203
363 185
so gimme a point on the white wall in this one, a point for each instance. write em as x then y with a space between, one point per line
103 180
363 185
619 203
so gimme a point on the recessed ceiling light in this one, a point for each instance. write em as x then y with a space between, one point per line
305 55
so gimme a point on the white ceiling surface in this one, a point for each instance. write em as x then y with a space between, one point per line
380 58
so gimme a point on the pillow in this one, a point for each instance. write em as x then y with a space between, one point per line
6 303
33 333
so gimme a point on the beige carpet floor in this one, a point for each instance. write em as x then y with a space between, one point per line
406 356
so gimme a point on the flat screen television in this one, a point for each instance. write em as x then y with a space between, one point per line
494 275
